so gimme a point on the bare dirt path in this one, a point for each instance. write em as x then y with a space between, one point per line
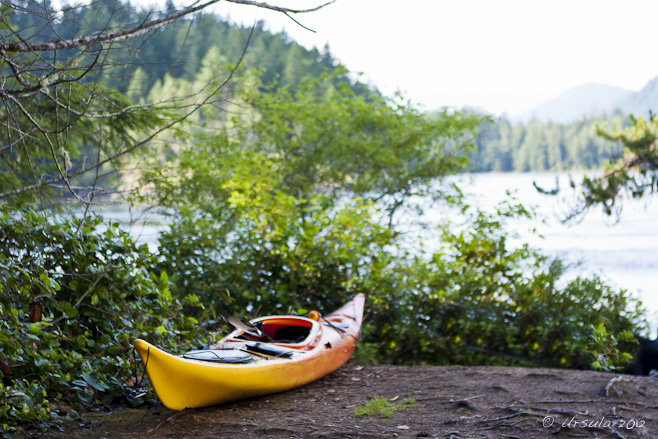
452 402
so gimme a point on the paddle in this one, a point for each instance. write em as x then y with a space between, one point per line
249 328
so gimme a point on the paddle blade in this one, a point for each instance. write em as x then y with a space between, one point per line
244 326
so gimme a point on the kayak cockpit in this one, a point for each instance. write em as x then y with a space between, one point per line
281 337
289 331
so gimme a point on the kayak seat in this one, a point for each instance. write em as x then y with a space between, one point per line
288 331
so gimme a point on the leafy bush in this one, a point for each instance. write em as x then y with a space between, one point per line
484 301
72 299
285 255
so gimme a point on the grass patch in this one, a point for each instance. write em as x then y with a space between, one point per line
380 406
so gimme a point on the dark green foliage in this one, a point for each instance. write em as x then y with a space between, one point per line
284 255
73 297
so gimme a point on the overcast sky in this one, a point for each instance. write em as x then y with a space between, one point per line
502 56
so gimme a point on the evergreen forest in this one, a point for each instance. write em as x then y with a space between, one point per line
177 51
545 146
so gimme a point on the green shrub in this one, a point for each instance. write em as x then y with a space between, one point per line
73 297
483 300
284 255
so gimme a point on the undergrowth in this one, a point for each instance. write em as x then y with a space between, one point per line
73 297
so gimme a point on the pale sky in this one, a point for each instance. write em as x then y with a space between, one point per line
502 56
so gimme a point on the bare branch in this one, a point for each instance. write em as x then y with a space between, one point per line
279 9
138 30
195 107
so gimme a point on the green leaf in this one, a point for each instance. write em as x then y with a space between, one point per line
70 311
41 362
93 382
161 330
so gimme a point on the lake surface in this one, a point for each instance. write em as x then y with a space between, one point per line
624 253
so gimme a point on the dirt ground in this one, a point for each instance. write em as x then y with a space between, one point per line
453 402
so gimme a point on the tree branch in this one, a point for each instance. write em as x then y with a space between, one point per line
137 31
153 135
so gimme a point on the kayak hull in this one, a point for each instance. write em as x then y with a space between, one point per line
188 383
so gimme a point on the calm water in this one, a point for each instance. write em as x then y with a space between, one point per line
624 253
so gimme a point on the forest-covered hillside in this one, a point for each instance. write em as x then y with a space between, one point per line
178 51
537 146
179 48
545 146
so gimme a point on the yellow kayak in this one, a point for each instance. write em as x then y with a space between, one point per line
266 355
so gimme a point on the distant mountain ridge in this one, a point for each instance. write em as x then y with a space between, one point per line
641 102
595 100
